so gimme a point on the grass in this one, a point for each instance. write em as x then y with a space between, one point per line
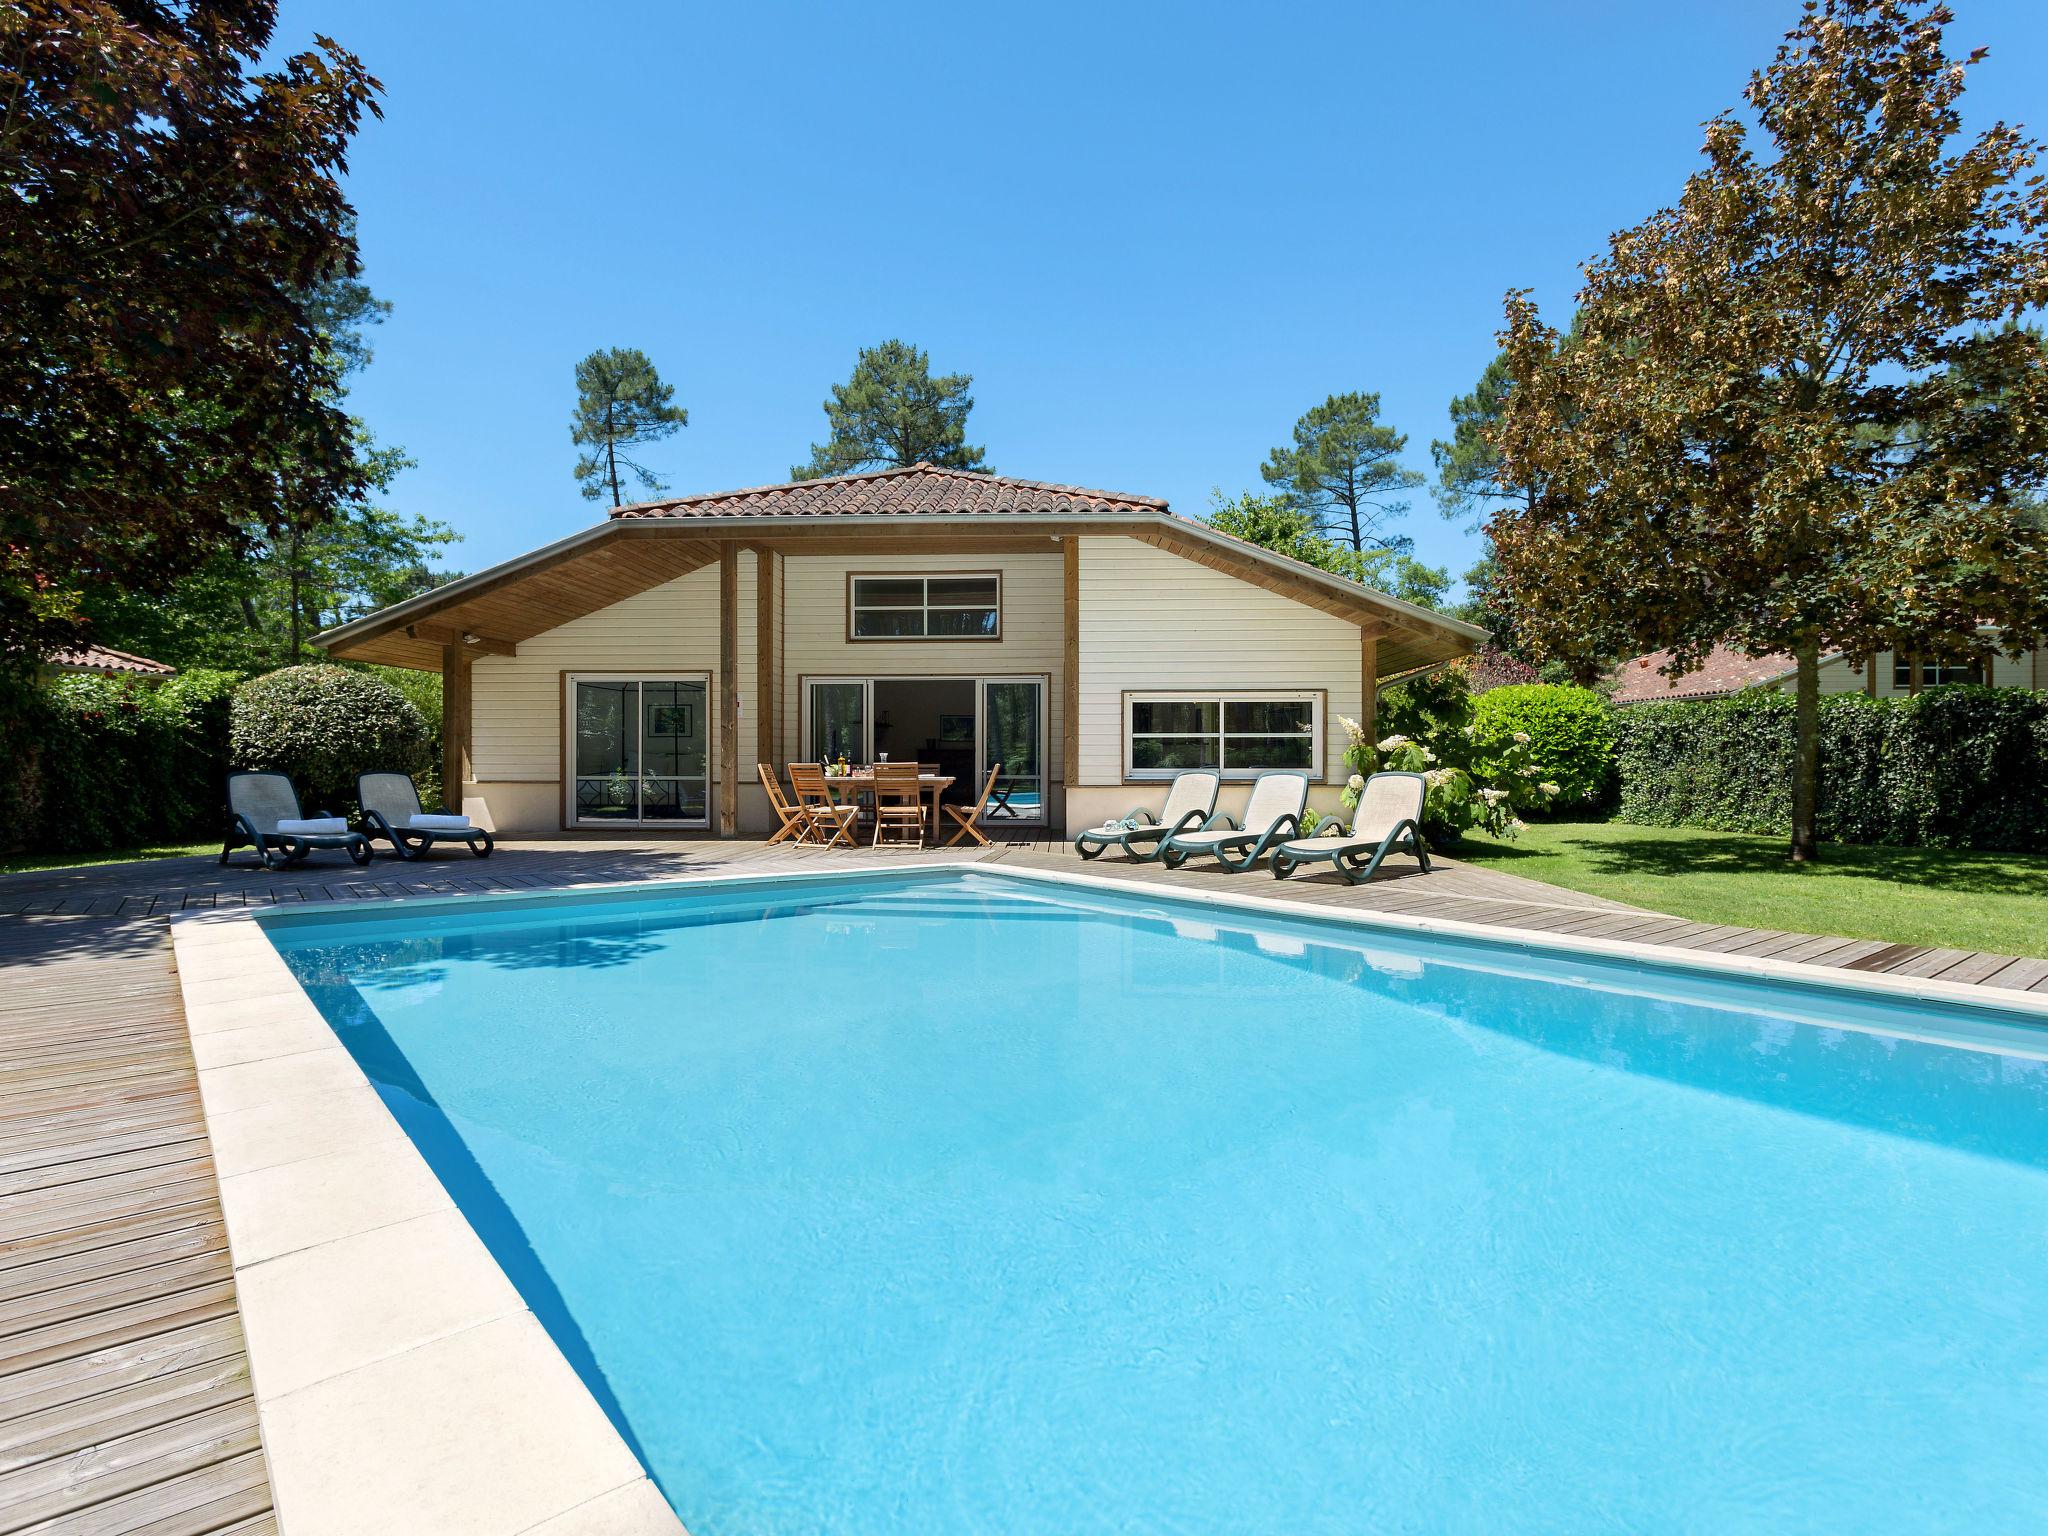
1990 901
14 864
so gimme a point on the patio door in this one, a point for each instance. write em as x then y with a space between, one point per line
639 751
1012 733
838 719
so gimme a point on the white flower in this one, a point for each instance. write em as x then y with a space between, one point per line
1393 743
1548 788
1521 738
1356 781
1516 824
1470 732
1436 776
1427 755
1351 727
1493 796
1527 773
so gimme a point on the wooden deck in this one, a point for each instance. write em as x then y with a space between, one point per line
124 1391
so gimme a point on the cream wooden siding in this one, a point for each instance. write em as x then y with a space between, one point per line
815 644
516 703
1151 620
1841 675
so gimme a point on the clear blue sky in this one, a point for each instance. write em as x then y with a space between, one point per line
1154 234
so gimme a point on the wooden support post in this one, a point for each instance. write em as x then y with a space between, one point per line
728 688
1070 684
768 657
1369 681
455 769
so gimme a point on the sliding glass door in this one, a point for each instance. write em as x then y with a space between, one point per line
640 751
836 717
1013 734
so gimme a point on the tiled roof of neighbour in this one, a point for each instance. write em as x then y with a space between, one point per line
1724 671
101 658
920 490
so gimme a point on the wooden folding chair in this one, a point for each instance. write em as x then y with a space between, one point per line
814 796
972 814
796 819
899 804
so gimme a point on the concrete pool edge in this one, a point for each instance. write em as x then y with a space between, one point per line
457 1401
400 1382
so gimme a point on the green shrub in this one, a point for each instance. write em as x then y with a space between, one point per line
1954 767
324 725
1570 731
104 762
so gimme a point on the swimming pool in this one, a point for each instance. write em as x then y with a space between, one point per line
952 1201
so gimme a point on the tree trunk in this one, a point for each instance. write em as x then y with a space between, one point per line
611 452
1806 753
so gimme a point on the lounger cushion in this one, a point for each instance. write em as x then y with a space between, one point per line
1212 837
426 822
313 826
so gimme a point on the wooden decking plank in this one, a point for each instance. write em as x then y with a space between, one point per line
24 1393
2018 975
202 1234
230 1497
128 1463
95 1295
1974 968
59 1429
121 1325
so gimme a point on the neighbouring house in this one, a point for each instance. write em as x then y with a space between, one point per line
1887 675
633 674
105 662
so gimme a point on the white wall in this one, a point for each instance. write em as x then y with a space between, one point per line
1152 620
516 724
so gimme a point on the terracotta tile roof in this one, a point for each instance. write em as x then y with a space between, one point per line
101 658
1724 671
922 490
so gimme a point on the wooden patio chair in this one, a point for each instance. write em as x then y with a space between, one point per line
972 814
899 804
796 819
814 797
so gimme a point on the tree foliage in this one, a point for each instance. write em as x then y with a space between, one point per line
891 414
1271 523
167 208
1344 470
621 403
256 604
1794 420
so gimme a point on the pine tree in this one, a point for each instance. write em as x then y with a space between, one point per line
620 404
891 414
1344 469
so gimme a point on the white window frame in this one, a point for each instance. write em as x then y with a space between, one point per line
854 607
1223 699
712 788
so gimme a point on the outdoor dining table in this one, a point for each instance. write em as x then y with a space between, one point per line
862 780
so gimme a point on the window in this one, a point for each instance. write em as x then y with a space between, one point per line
1933 673
639 749
1240 734
962 606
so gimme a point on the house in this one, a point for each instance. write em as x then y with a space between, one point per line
1887 675
632 675
104 661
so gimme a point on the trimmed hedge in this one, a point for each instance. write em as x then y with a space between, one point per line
101 762
1954 767
324 725
1570 731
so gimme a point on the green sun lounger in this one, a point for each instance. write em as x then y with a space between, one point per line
1388 820
391 811
1272 814
1190 803
263 813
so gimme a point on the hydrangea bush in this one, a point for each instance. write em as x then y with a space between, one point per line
1475 778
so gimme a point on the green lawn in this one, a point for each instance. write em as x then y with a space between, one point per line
13 864
1989 901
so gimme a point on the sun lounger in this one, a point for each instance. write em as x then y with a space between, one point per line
391 810
1272 814
1190 803
1388 820
263 813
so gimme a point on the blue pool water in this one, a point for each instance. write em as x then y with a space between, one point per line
966 1204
